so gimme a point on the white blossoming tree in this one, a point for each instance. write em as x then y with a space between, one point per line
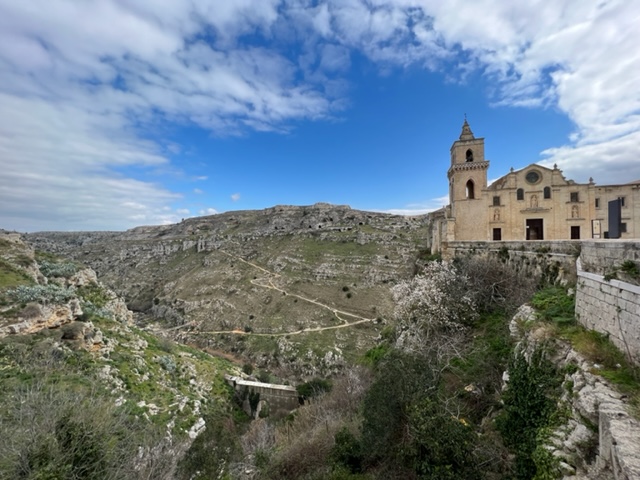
433 310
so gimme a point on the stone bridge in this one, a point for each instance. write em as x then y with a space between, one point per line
273 398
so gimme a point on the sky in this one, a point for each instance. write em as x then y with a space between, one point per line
119 113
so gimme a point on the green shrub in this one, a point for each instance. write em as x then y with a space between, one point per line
63 270
247 368
347 451
529 401
374 355
554 304
314 388
95 294
42 294
630 268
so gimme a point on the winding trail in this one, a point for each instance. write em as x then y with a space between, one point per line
268 283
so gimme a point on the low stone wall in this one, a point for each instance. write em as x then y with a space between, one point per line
553 260
611 307
601 256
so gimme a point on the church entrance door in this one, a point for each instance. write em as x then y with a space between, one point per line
534 229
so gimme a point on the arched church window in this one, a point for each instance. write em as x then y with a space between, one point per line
547 192
469 155
520 194
470 192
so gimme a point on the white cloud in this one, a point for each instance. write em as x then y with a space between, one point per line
579 57
419 209
198 191
183 211
84 85
208 211
235 197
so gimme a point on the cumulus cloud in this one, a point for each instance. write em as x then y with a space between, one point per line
235 197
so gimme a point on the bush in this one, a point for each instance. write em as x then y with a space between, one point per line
247 369
94 294
441 446
553 304
53 433
529 401
90 311
314 388
347 451
42 294
63 270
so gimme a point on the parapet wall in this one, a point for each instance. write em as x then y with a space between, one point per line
609 306
553 260
602 256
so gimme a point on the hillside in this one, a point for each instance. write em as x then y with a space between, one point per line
297 290
76 375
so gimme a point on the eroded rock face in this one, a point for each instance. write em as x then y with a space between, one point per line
44 316
599 440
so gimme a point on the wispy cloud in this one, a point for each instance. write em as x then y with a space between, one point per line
235 197
421 208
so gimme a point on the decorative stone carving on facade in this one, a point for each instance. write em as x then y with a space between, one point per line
534 201
496 215
575 212
468 166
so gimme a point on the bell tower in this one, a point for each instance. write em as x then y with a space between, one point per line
467 184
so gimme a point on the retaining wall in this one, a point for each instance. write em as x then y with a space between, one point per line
610 306
602 256
553 260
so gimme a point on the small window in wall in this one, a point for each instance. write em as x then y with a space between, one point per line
547 192
597 203
574 197
470 193
621 201
520 194
623 228
575 233
497 234
496 201
469 155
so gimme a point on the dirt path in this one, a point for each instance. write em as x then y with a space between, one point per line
268 283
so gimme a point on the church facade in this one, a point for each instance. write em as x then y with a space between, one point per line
533 203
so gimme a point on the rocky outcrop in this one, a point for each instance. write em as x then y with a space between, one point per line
599 438
35 317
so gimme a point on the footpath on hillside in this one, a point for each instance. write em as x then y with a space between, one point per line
348 319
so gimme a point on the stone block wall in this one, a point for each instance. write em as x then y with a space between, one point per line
610 306
601 256
553 260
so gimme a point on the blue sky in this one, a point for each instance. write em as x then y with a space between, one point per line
117 113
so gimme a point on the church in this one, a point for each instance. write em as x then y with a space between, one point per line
533 203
